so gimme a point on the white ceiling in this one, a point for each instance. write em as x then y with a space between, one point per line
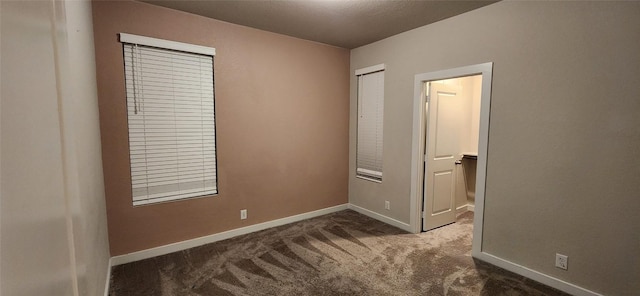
343 23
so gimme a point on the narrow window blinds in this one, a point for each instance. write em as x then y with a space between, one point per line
171 119
370 118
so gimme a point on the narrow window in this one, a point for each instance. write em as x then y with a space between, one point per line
171 119
370 113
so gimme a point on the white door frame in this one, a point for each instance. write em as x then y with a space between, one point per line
418 145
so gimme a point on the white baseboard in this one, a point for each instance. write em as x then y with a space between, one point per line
536 275
183 245
106 285
385 219
465 208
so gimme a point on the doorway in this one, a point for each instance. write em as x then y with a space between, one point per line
434 151
452 110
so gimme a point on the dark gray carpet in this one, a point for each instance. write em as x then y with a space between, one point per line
344 253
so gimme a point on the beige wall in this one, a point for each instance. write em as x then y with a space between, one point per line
84 149
281 120
54 240
468 90
35 250
563 157
476 92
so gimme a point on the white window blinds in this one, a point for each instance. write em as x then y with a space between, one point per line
370 115
171 119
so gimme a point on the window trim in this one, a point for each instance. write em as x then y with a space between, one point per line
166 44
371 69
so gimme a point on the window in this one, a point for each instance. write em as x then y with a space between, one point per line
171 119
370 112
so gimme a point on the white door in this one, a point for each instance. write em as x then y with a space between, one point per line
443 142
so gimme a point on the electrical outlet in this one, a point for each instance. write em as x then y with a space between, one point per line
387 205
562 261
243 214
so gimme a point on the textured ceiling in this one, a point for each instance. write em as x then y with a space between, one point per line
343 23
